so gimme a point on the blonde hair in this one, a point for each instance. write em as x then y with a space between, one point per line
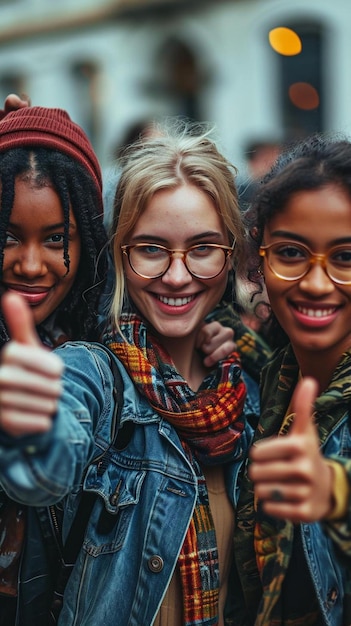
177 152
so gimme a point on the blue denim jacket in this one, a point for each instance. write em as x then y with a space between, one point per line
146 496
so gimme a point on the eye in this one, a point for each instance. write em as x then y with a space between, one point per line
289 253
201 250
150 250
56 239
341 256
10 239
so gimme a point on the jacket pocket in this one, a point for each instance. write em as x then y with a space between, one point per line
117 497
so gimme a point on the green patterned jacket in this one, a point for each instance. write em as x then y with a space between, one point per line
324 549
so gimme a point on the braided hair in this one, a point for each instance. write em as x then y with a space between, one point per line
77 314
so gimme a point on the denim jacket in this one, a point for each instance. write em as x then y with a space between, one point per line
145 496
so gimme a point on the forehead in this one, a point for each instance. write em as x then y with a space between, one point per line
319 215
29 187
184 211
37 206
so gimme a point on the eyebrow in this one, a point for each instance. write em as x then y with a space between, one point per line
58 226
144 237
288 235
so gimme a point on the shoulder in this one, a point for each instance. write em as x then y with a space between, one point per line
84 350
87 361
92 363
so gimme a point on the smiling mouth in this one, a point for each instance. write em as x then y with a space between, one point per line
32 297
317 313
176 301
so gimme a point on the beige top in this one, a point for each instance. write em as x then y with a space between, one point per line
170 613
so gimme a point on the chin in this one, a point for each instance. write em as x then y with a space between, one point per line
172 330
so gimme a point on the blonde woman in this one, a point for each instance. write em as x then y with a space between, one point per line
158 545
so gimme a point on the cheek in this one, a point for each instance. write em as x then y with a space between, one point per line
219 286
134 284
74 253
8 261
12 254
65 286
271 282
275 290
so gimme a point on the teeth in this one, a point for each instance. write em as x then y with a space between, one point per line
175 301
316 312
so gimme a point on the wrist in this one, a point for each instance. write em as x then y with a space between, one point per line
340 489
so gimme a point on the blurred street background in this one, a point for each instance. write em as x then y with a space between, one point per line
259 70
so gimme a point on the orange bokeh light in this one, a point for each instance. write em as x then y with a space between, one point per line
285 41
304 96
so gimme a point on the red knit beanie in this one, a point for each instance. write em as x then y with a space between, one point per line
49 128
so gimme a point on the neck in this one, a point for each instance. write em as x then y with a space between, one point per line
187 360
319 366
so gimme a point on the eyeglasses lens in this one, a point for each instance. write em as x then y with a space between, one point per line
291 261
201 261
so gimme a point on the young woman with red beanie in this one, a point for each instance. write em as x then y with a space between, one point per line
51 230
52 243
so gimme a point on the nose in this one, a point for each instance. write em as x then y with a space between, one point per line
30 262
317 282
177 274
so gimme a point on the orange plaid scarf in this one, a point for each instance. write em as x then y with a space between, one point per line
209 423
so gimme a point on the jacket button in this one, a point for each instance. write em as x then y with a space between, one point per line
155 563
332 595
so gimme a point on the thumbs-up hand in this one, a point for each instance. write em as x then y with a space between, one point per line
292 478
30 375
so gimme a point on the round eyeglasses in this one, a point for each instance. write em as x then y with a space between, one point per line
292 261
205 260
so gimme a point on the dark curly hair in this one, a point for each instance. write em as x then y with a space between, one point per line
315 162
77 314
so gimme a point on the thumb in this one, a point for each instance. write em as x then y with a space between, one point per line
19 319
302 405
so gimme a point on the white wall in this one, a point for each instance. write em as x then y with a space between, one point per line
230 39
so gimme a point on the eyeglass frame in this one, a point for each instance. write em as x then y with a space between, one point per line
314 257
228 251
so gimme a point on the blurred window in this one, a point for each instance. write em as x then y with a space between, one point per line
178 78
301 81
11 83
85 78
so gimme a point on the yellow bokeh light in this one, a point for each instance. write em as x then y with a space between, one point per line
285 41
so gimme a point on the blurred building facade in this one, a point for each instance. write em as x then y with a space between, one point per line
111 63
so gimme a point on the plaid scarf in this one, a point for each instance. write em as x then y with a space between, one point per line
209 426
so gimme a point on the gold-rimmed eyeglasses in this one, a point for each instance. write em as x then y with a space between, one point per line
291 261
204 260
